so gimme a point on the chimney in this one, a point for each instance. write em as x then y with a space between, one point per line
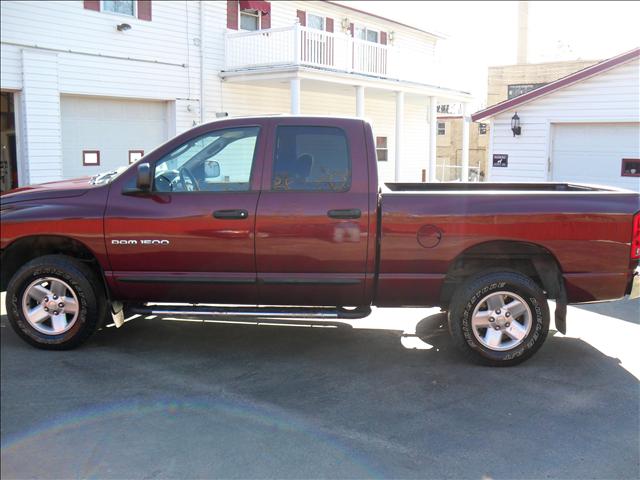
523 31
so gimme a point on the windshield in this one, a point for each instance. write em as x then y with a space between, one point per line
106 177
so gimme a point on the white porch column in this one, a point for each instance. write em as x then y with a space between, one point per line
294 86
398 140
466 123
433 137
359 101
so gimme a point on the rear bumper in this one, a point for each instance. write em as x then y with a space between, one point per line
634 285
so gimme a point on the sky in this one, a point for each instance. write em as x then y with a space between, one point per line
483 34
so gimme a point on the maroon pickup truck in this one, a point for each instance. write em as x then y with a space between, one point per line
283 217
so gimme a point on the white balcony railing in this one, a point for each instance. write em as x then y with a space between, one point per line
298 45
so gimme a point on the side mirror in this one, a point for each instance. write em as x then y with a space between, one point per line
143 180
211 169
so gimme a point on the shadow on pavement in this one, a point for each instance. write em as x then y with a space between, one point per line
627 310
180 400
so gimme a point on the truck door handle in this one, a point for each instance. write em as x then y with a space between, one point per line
346 213
231 214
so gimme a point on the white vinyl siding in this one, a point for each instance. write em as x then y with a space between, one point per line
159 61
379 109
612 96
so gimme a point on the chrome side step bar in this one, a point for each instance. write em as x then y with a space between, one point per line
249 312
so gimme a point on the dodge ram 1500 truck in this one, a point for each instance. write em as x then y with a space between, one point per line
283 217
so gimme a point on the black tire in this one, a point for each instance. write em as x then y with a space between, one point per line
82 280
472 292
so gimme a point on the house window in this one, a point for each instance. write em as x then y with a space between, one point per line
631 167
382 150
135 155
442 128
482 129
249 20
122 7
367 34
516 90
90 158
315 21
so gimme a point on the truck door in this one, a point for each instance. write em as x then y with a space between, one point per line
313 214
191 239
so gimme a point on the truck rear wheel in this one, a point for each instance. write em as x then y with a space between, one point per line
55 302
499 318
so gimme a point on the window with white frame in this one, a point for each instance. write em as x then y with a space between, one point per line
442 128
382 150
364 33
315 21
122 7
249 20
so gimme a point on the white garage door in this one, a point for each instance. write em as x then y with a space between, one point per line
593 153
111 127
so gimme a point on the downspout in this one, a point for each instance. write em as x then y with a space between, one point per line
202 98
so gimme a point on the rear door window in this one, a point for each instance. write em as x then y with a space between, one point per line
311 159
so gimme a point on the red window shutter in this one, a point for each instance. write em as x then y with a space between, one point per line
144 10
265 20
302 16
383 38
232 14
351 29
92 5
329 24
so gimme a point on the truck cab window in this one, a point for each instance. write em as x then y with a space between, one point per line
217 161
311 159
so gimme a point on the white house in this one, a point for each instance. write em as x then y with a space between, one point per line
89 85
584 127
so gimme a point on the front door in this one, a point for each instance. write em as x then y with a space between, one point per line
313 215
192 238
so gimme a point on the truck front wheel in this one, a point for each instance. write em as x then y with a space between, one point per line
55 302
499 318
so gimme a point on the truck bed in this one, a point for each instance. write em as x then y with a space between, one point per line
500 187
586 228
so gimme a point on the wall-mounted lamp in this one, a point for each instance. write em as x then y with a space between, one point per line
344 23
392 36
515 125
123 27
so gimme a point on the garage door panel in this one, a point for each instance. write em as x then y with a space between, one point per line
112 126
593 153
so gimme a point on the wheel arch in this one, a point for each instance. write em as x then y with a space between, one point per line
24 249
528 258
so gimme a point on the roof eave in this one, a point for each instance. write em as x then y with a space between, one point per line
563 82
438 35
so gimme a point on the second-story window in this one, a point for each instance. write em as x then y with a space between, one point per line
442 128
249 20
364 33
122 7
315 21
382 151
482 129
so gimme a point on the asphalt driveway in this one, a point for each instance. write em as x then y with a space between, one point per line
166 399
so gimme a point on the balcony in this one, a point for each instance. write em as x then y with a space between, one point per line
302 46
